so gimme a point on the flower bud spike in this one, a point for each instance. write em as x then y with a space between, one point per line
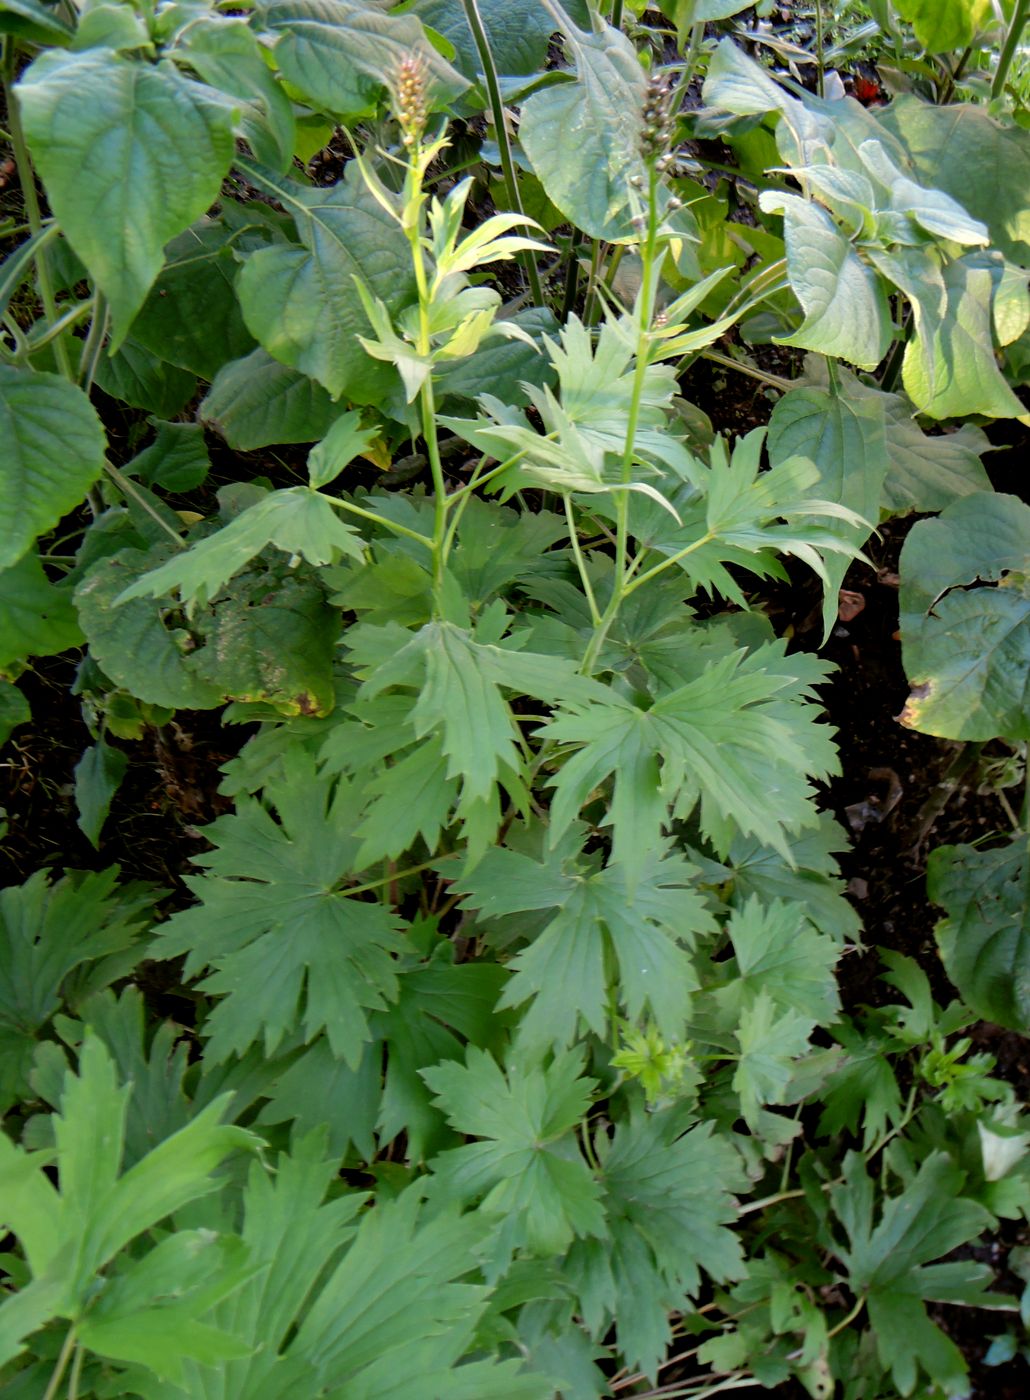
410 90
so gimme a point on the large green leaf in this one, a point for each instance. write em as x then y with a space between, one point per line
193 293
599 919
582 138
846 310
70 1233
36 619
845 439
985 940
46 932
256 401
344 55
143 379
130 153
14 710
668 1204
944 25
518 32
980 161
302 303
890 1263
53 452
34 21
526 1164
949 368
967 649
284 942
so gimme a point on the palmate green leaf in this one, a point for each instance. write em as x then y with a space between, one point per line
739 736
812 882
645 927
770 1041
846 440
36 618
460 684
53 452
527 1167
194 292
91 116
668 1205
582 137
985 939
846 310
777 952
298 521
72 1231
344 55
283 941
291 1237
154 1065
47 931
316 1091
890 1263
967 649
302 303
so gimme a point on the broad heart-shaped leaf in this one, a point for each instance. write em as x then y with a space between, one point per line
846 441
891 1263
297 521
34 21
736 736
194 292
924 472
268 636
53 452
527 1167
985 940
645 927
256 401
982 162
943 25
177 458
14 710
967 651
92 117
518 32
949 368
582 138
344 55
302 304
668 1206
140 378
46 932
283 941
846 310
36 618
71 1232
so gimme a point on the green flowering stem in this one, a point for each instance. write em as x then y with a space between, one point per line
645 311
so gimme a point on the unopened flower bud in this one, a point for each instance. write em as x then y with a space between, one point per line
674 204
410 97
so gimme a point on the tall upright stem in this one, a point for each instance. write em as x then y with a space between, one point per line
1008 52
27 180
645 314
493 88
